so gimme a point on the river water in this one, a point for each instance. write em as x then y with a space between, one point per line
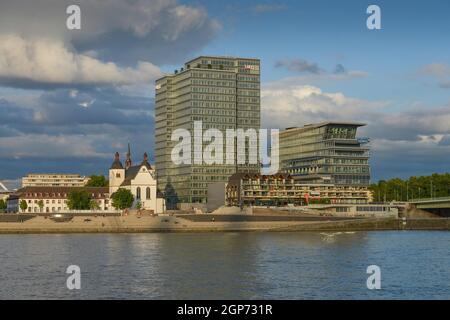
413 264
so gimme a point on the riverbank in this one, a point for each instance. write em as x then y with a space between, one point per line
211 223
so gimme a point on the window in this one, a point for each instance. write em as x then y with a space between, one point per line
117 175
138 193
148 193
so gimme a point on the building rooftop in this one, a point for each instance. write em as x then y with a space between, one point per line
61 190
54 174
205 57
326 123
116 164
132 172
222 57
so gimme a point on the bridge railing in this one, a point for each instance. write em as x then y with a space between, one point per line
434 199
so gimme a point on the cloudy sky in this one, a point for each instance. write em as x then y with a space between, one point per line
70 98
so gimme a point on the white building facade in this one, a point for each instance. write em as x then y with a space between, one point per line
41 200
140 180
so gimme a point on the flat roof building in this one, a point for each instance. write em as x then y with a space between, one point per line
281 190
223 93
325 153
54 180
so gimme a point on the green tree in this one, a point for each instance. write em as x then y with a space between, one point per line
93 205
436 185
79 200
139 205
23 205
122 199
97 181
40 205
3 205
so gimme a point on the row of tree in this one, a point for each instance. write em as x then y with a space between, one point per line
436 185
81 200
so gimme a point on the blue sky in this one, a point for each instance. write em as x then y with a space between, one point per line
70 99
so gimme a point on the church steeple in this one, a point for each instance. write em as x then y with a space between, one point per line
116 164
128 162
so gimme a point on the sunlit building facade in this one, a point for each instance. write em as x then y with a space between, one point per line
326 153
54 180
223 93
282 189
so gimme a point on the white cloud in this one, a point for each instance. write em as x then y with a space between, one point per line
31 145
438 71
115 30
50 61
294 105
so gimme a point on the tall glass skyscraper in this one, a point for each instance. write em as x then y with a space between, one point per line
223 93
327 152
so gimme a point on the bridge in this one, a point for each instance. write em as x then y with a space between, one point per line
439 206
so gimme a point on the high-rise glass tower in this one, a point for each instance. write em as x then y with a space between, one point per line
223 93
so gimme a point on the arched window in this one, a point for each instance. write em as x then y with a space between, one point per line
138 193
148 193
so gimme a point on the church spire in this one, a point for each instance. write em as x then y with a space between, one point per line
128 162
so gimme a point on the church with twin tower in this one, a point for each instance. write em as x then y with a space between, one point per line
140 179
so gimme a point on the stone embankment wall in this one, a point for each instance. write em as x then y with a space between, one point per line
132 224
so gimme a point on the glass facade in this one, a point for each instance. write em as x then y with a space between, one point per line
325 153
223 93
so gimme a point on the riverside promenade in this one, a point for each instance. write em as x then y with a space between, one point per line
214 223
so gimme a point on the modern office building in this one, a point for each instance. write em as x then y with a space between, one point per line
223 93
325 153
53 180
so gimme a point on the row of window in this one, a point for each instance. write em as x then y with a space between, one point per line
63 195
213 75
147 193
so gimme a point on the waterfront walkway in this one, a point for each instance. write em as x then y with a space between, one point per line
134 224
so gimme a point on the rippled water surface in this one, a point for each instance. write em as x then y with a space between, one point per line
414 265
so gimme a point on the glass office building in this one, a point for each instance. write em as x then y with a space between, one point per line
328 152
223 93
